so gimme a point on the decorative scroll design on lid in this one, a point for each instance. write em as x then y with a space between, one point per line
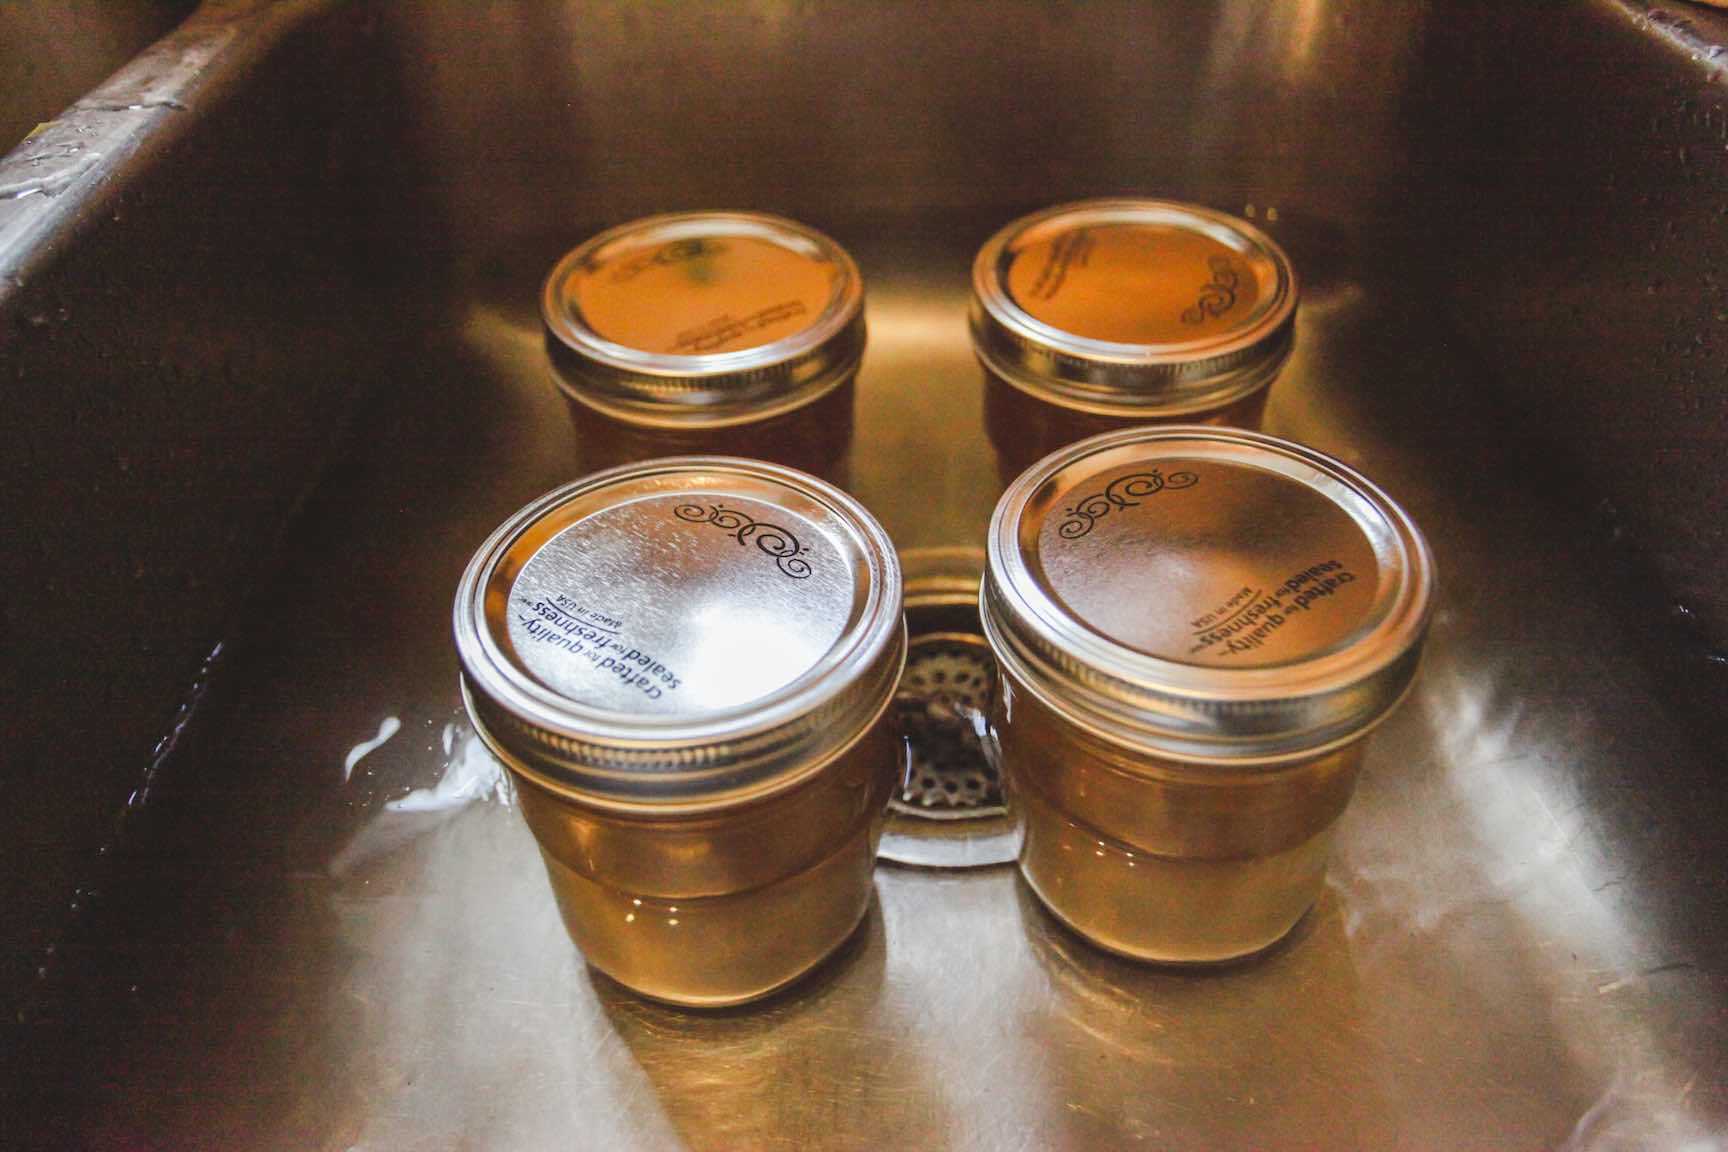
771 539
1218 295
1122 492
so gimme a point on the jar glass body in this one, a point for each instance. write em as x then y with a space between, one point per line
815 437
729 903
1158 860
1024 428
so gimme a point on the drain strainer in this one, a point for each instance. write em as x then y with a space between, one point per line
949 811
943 699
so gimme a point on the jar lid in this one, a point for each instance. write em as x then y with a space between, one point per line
1206 593
707 318
1133 308
682 632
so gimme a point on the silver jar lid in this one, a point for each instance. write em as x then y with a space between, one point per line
1133 308
704 318
680 633
1206 593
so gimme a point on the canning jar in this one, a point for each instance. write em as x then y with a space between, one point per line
702 332
1194 628
1107 314
687 666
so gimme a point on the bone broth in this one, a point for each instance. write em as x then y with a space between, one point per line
1195 630
701 332
1107 314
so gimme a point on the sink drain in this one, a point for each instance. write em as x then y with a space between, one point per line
943 696
949 811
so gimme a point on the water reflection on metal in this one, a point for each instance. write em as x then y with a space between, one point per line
724 1080
470 775
386 729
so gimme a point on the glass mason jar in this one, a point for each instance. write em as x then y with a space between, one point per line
687 667
703 332
1195 628
1108 314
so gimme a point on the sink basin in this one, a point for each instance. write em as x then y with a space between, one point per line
271 350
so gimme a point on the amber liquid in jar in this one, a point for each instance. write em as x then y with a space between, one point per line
815 438
716 908
1164 861
1024 429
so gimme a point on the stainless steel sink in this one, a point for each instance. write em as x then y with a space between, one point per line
272 368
